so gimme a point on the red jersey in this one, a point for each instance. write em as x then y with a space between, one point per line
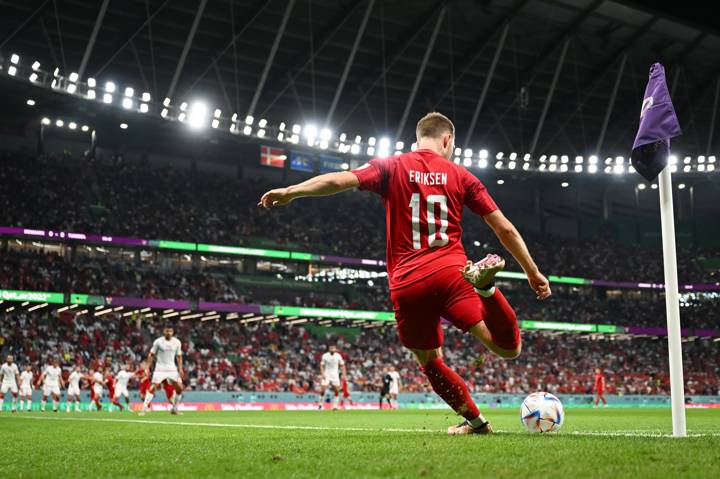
424 195
599 382
110 383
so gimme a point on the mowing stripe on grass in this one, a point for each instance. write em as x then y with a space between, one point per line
620 433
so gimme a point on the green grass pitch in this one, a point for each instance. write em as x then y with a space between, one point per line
608 443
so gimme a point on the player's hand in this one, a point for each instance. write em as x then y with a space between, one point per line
540 285
181 372
276 197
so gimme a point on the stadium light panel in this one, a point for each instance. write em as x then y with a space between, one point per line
249 119
543 158
654 186
672 159
578 168
385 143
371 141
578 160
553 158
631 169
399 145
456 160
197 117
608 161
45 121
107 98
701 167
701 159
498 164
342 137
261 134
711 167
36 66
526 166
73 77
458 151
71 88
91 94
262 123
296 129
527 157
110 87
33 77
72 125
325 134
592 168
618 169
233 128
183 106
247 130
181 117
59 123
123 126
295 139
56 72
358 139
641 186
145 97
14 58
467 162
542 167
129 92
215 123
91 82
681 186
345 166
282 126
482 163
499 155
564 159
217 113
12 70
467 153
511 165
85 128
371 151
513 156
500 182
711 159
563 167
143 107
687 160
564 184
673 168
310 131
553 167
593 159
619 160
166 102
30 102
164 113
483 154
355 149
127 103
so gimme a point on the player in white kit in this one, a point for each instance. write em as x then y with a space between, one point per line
394 387
52 381
97 381
73 392
166 350
10 379
121 385
26 389
330 365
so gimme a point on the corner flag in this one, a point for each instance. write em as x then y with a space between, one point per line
658 123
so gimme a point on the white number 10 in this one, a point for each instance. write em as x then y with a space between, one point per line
435 239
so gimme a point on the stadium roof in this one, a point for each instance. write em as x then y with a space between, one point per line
393 73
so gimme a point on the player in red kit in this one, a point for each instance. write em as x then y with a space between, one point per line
429 275
599 387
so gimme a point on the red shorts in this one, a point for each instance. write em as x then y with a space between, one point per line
144 386
169 390
419 306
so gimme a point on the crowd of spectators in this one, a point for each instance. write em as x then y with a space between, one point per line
133 198
230 356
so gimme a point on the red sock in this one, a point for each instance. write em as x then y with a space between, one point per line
451 388
501 321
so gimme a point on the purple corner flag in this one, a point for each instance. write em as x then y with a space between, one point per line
658 123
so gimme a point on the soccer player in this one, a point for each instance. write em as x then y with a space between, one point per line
424 194
345 393
97 381
599 387
10 379
394 389
330 364
121 387
52 381
73 392
166 349
26 380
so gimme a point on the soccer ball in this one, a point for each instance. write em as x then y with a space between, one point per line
542 412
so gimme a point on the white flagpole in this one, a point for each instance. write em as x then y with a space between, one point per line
672 304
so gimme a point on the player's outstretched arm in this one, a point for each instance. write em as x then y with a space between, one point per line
510 238
322 185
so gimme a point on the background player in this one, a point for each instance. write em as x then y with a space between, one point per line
52 381
73 391
10 380
395 386
121 386
599 387
26 390
97 382
424 194
345 392
166 349
330 364
385 388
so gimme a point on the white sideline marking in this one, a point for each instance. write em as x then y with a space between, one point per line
621 433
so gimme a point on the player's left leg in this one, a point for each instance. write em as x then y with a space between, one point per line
336 396
56 401
149 395
14 401
177 397
43 402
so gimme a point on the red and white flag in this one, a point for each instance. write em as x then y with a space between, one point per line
270 156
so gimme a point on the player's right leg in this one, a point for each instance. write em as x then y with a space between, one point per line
148 398
321 396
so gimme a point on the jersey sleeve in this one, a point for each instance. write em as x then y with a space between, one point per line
178 349
477 197
154 348
373 176
341 362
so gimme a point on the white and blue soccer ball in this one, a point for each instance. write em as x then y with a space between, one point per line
542 412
